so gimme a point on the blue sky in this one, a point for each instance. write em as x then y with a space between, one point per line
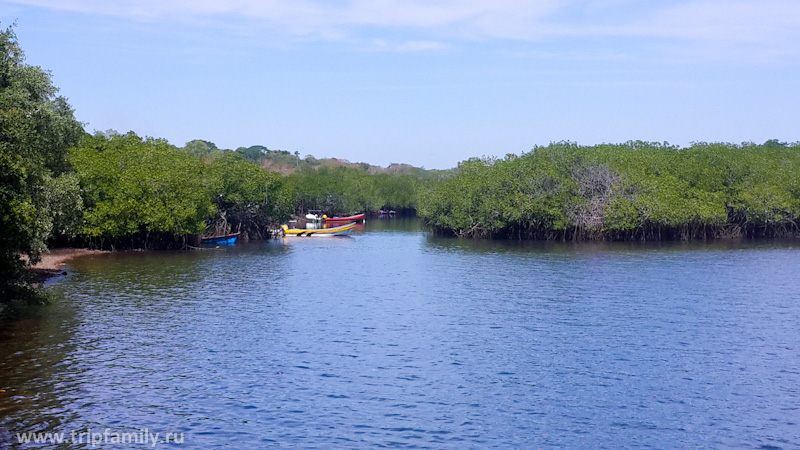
428 83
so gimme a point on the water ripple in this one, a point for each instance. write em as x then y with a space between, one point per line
398 340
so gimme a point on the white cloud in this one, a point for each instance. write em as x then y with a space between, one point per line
414 13
480 16
408 46
767 30
714 20
769 27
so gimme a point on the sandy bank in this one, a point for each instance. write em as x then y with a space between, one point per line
52 263
56 257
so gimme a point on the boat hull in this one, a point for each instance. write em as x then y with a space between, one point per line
229 239
343 230
348 219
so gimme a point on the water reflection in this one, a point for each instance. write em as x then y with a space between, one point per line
451 244
393 224
36 364
395 338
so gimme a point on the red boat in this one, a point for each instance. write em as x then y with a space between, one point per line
348 219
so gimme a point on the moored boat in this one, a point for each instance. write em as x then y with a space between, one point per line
314 219
225 239
343 230
348 219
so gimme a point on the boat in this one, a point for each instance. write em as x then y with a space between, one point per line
348 219
225 239
314 219
343 230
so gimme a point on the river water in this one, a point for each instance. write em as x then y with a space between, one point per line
396 339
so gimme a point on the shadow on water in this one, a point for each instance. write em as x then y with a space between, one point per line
511 247
523 247
392 224
164 269
396 338
36 363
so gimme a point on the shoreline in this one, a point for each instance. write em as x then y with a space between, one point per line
53 262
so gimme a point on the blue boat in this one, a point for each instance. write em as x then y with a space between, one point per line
226 239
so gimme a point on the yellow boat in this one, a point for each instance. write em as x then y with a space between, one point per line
343 230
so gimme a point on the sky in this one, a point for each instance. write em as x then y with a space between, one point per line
428 83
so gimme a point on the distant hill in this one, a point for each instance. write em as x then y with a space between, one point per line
286 163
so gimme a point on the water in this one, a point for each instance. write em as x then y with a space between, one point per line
395 339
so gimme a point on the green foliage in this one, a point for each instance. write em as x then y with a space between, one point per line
135 186
199 148
36 129
248 198
62 197
336 191
145 192
253 153
636 190
346 190
396 191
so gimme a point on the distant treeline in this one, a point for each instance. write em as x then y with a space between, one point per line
633 191
145 193
335 186
285 162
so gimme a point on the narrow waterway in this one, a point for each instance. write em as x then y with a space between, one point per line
393 338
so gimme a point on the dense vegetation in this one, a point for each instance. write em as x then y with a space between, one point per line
345 190
333 185
636 190
38 194
147 193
